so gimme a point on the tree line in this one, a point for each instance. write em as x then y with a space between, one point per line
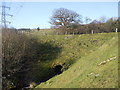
70 22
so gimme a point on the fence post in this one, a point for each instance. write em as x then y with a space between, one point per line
73 33
66 33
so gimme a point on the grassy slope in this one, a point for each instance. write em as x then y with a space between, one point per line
93 49
43 31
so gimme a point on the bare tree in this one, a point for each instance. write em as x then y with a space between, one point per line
64 17
87 20
103 19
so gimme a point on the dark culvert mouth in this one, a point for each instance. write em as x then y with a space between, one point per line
57 69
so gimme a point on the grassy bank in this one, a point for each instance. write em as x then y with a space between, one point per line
87 51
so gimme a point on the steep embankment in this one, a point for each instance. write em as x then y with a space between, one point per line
96 65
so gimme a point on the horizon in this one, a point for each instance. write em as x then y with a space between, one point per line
37 14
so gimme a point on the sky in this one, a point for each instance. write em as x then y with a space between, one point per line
37 14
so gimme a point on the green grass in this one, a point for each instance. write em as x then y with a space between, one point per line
82 54
43 31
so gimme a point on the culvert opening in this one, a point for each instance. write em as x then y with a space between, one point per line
58 69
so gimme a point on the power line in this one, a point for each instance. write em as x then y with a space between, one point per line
4 14
16 7
17 11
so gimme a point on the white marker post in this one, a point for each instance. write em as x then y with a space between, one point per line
116 30
92 31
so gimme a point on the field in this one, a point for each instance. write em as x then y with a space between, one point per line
87 60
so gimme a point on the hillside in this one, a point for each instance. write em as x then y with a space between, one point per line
91 60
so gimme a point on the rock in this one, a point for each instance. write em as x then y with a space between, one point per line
32 85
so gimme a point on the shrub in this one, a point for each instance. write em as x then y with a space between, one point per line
17 48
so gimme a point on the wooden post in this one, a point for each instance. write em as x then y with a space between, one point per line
57 33
66 33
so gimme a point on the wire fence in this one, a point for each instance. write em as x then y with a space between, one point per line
57 32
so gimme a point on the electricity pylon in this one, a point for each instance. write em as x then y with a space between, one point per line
3 15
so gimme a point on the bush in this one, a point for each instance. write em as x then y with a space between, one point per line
17 48
23 58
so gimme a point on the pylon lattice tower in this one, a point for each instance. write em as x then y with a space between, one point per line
3 15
